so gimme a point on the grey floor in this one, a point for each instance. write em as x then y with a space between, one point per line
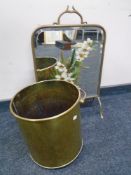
107 142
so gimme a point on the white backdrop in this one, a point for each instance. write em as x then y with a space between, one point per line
18 19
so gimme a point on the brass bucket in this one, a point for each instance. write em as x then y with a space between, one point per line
45 68
48 113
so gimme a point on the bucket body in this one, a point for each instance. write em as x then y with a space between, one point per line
48 113
45 68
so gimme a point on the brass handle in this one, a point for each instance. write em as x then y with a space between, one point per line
70 11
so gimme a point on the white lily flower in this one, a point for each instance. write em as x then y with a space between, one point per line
80 55
58 77
84 47
78 58
70 74
85 44
64 75
70 78
89 48
62 69
85 54
82 51
89 41
59 63
56 67
78 51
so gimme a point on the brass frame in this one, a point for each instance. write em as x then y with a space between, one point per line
83 24
70 11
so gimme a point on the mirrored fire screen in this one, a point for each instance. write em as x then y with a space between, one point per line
73 53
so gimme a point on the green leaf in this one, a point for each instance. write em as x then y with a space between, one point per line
72 58
76 69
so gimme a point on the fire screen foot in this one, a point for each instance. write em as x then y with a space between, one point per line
101 108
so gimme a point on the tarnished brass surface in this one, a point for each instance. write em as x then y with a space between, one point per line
45 68
48 113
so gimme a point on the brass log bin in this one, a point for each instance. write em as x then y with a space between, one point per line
48 113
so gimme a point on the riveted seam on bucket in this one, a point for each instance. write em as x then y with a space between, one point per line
48 118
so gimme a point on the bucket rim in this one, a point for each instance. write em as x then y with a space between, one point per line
54 64
48 118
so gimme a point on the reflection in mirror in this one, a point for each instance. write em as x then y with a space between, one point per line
79 49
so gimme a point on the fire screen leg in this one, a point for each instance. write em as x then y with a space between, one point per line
101 108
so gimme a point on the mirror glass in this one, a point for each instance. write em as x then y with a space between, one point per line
61 43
